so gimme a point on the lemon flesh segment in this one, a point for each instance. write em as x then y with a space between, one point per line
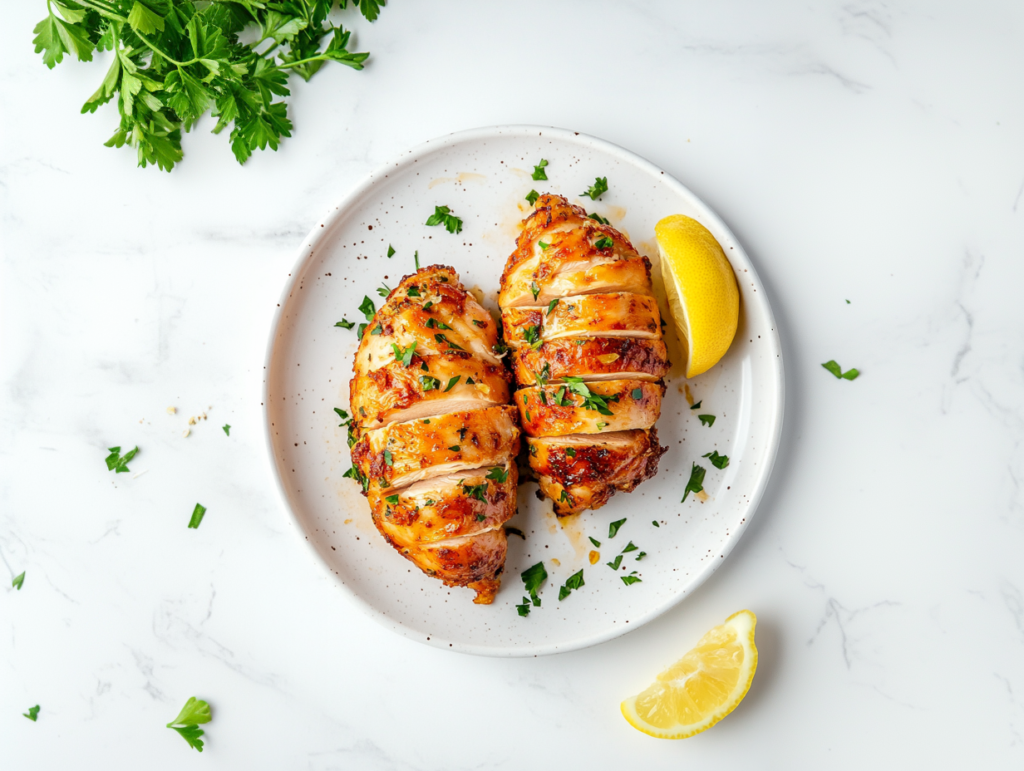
702 687
703 296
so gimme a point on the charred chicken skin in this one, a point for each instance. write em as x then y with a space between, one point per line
435 437
584 333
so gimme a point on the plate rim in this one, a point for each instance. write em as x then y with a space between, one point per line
323 227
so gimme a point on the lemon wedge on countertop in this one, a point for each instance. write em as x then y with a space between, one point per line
703 296
702 687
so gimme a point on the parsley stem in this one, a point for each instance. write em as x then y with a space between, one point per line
102 11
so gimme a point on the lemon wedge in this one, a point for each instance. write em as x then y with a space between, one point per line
702 293
702 687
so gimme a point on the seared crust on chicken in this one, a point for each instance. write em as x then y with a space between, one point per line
583 326
434 436
600 358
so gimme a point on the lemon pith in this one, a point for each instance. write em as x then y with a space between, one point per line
702 687
701 288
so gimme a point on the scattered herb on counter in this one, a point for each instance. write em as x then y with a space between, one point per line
498 474
551 305
696 483
718 461
706 420
197 516
174 61
532 197
118 463
32 714
615 563
391 251
188 720
538 170
604 243
345 324
835 369
19 580
443 215
631 579
613 528
429 383
594 541
404 355
697 405
630 547
595 191
598 218
575 581
533 577
226 428
452 382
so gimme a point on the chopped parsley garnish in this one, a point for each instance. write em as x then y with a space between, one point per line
696 483
443 215
478 323
595 191
566 498
416 259
604 243
414 291
638 393
575 581
19 580
560 398
404 355
718 461
118 463
480 517
630 547
538 170
391 251
498 474
545 373
551 305
345 324
655 523
543 398
615 563
389 459
591 401
197 516
442 339
601 426
376 330
32 714
392 499
544 246
226 428
524 607
706 420
383 290
641 555
835 369
697 405
452 382
353 473
367 308
455 448
594 541
429 383
570 452
534 290
470 381
613 528
598 218
187 722
532 335
627 580
532 197
533 577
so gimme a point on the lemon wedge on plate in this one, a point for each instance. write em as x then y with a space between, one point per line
702 687
702 293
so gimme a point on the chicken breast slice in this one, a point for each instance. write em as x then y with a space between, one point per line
575 407
621 314
600 358
401 454
474 561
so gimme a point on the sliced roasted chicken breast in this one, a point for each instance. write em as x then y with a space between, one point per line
600 358
621 314
589 408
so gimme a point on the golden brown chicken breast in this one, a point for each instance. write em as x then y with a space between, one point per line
584 330
435 437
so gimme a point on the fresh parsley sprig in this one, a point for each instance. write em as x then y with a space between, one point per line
533 577
443 216
176 60
595 191
195 712
696 483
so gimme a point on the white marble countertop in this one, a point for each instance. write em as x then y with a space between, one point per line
863 151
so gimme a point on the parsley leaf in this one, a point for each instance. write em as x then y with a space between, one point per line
443 215
534 290
655 523
706 420
226 428
598 218
545 373
594 541
591 401
498 474
404 355
414 291
696 483
345 324
392 499
630 547
383 290
627 580
641 555
570 452
524 608
429 383
32 714
188 720
118 463
604 243
197 516
595 191
416 259
538 170
452 382
551 305
615 563
533 577
391 251
367 308
697 405
389 459
851 374
575 581
637 393
718 461
532 197
835 369
544 246
532 335
345 419
613 528
442 339
18 580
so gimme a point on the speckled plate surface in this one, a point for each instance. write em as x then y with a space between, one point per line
483 175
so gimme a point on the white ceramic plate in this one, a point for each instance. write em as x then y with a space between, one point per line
483 175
